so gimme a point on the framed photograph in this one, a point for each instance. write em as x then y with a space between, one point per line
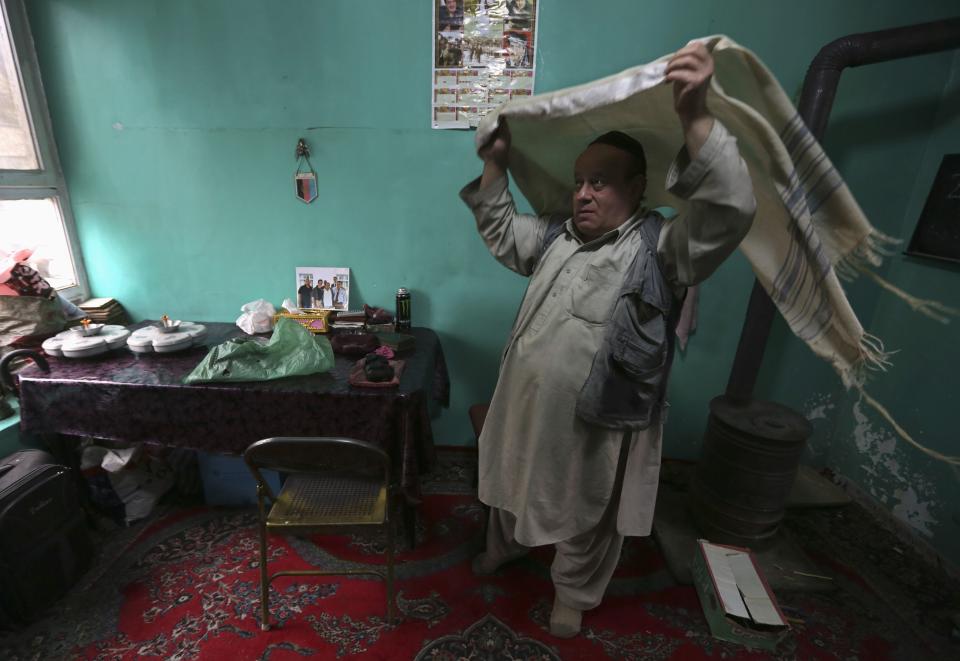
323 288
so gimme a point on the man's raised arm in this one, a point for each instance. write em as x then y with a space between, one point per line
709 172
513 238
494 155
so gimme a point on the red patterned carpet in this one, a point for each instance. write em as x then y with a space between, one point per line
185 587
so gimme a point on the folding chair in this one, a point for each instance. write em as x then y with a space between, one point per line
332 486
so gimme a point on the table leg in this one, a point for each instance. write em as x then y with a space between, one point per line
66 450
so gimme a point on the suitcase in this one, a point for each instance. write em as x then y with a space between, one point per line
44 543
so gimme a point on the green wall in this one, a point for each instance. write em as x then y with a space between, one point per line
177 119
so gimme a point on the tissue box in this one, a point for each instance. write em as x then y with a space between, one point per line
228 481
315 321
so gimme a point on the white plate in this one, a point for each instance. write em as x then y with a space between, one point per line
71 344
153 339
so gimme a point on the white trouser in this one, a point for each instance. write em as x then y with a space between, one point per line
583 564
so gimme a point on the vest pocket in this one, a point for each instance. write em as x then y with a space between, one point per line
641 357
623 388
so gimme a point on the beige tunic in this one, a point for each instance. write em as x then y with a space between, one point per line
538 461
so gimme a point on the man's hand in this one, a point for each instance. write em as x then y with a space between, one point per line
690 70
494 154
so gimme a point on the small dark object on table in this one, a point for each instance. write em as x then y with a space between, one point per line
357 344
377 315
377 368
350 316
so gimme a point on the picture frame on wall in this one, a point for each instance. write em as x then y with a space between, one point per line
323 288
937 234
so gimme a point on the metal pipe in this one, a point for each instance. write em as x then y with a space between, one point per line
855 50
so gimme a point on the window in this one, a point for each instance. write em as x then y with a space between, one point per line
34 205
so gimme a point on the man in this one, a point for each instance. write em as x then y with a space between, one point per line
518 15
305 293
518 51
450 17
338 295
318 294
327 294
553 470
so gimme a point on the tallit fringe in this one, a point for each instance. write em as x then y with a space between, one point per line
846 271
871 251
878 242
926 306
902 433
873 357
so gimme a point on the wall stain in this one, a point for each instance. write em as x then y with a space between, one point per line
912 496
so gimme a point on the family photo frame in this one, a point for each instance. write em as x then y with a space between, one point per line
323 288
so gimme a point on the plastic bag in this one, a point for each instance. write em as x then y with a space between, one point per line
257 317
292 350
27 320
137 478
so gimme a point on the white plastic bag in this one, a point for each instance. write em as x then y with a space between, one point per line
257 317
137 477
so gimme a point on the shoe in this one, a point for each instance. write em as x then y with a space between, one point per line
564 621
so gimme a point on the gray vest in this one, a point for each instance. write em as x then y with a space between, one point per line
627 385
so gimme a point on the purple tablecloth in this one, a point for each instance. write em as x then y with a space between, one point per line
141 398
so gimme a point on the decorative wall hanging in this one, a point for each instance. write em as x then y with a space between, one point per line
305 177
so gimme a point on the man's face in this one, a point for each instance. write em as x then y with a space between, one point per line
451 6
607 190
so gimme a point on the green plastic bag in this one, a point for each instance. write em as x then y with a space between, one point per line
291 351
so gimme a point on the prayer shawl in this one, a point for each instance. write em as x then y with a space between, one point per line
807 228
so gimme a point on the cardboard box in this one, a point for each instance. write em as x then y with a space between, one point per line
736 599
228 481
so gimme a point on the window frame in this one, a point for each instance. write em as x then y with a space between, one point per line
47 181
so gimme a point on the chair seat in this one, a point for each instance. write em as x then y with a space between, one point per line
328 499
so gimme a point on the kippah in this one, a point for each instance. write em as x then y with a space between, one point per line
624 142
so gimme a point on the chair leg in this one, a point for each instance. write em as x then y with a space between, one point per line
264 581
410 523
391 606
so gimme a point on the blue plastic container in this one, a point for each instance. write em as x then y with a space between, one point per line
228 481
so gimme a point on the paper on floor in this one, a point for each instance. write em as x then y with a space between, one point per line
739 586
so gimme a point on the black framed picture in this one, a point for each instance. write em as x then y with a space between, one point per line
938 231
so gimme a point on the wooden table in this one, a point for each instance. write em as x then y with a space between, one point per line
131 397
